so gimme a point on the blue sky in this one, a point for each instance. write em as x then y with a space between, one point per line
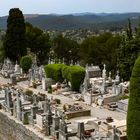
70 6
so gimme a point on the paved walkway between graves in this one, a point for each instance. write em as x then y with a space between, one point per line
96 111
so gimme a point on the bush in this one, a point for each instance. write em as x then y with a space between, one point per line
59 72
49 89
65 72
133 116
28 92
54 71
76 75
26 63
123 97
58 101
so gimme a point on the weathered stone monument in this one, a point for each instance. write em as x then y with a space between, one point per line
18 106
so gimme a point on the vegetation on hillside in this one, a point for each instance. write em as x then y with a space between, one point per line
115 50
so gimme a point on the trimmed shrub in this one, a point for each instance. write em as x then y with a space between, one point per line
76 76
26 63
54 71
65 72
133 115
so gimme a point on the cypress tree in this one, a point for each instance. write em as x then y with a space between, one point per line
133 116
14 43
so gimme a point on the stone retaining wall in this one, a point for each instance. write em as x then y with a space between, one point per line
12 130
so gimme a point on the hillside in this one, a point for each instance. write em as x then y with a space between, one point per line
76 21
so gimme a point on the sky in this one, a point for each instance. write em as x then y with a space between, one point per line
69 6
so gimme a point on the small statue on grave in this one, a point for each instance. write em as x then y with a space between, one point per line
117 77
109 78
104 72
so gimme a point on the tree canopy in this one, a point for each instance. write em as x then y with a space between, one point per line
14 43
128 52
65 48
101 49
38 42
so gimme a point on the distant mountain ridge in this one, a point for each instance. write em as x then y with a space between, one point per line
93 21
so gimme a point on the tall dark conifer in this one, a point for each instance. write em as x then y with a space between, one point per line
14 43
133 115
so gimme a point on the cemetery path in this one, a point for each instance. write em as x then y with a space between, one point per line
96 111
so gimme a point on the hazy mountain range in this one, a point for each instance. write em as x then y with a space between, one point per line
92 21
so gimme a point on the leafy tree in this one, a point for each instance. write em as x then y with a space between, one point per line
26 63
128 53
14 43
65 48
133 118
100 49
38 42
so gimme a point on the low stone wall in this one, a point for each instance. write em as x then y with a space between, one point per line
79 113
10 129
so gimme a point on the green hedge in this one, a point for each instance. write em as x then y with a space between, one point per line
133 116
54 71
59 72
65 72
76 76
